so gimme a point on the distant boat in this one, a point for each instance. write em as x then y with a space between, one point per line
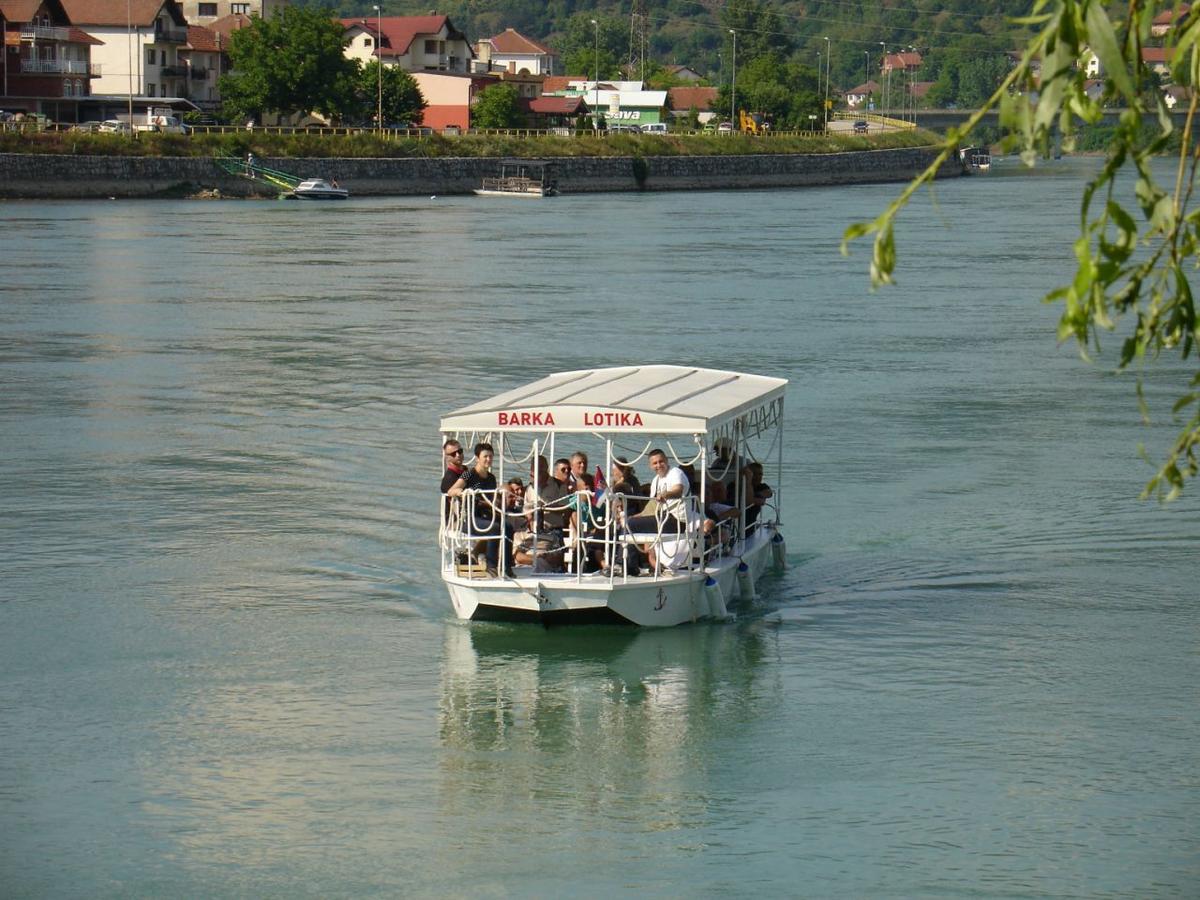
522 178
977 159
318 189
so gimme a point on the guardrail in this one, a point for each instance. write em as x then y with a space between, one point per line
59 67
44 33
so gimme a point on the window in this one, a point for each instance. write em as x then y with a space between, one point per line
431 47
150 56
207 9
149 90
67 88
79 87
243 8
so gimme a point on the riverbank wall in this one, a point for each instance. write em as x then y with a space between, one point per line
28 176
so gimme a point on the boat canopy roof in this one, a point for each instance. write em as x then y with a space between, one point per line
653 399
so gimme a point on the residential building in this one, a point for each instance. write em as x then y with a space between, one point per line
205 12
511 51
1158 60
1163 22
860 95
908 61
141 40
683 73
682 100
205 59
448 97
414 43
555 112
47 61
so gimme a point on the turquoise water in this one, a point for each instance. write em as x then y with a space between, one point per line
227 667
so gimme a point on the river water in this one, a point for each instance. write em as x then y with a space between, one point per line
227 666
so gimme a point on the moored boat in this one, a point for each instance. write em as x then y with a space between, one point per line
319 189
710 544
522 178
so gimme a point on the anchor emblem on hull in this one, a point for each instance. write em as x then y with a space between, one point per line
662 599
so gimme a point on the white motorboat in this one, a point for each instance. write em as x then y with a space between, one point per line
521 178
319 189
709 556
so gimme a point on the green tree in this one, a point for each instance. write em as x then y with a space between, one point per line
759 32
290 63
402 99
579 45
785 92
497 106
1133 263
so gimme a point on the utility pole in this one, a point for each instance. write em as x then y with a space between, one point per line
379 63
733 85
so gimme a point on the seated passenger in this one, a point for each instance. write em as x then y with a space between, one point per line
585 519
543 549
579 465
668 489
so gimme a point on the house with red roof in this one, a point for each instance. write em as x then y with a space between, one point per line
682 100
206 60
47 60
1165 20
413 43
511 51
158 32
860 95
908 61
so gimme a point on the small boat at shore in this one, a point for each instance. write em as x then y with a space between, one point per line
522 178
711 543
976 159
318 189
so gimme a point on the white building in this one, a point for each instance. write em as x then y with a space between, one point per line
414 43
511 51
142 40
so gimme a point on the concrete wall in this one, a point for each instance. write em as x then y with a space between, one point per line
28 176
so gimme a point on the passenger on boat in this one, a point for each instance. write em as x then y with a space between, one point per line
668 489
579 465
758 492
585 520
549 525
618 499
514 508
452 454
623 473
488 514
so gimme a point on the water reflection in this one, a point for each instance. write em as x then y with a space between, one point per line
596 720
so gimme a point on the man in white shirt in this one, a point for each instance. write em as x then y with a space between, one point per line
669 488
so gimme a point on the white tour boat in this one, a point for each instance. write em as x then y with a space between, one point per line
318 189
715 423
522 178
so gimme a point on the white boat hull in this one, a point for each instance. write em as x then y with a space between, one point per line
647 601
535 195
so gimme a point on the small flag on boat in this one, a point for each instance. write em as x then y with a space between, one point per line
601 485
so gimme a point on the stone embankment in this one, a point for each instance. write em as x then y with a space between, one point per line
76 177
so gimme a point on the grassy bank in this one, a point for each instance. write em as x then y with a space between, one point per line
483 145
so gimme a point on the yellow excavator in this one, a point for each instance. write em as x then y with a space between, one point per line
753 123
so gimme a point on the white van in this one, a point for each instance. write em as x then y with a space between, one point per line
655 128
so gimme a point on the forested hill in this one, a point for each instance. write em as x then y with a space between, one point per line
696 32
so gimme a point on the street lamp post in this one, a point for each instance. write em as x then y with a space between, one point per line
733 85
882 80
379 62
828 54
596 76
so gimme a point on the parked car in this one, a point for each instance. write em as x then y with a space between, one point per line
725 128
860 127
89 127
655 128
115 126
628 129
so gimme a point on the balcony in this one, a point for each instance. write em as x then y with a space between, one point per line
173 72
44 33
199 73
168 35
59 67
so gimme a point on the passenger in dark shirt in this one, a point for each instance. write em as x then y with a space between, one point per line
488 510
452 453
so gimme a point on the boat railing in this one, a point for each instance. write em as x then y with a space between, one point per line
513 184
478 517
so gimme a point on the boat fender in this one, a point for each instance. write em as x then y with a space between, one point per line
716 599
779 552
745 582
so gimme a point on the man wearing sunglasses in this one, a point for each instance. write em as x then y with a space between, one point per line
452 453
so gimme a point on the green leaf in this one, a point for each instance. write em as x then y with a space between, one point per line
1103 41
